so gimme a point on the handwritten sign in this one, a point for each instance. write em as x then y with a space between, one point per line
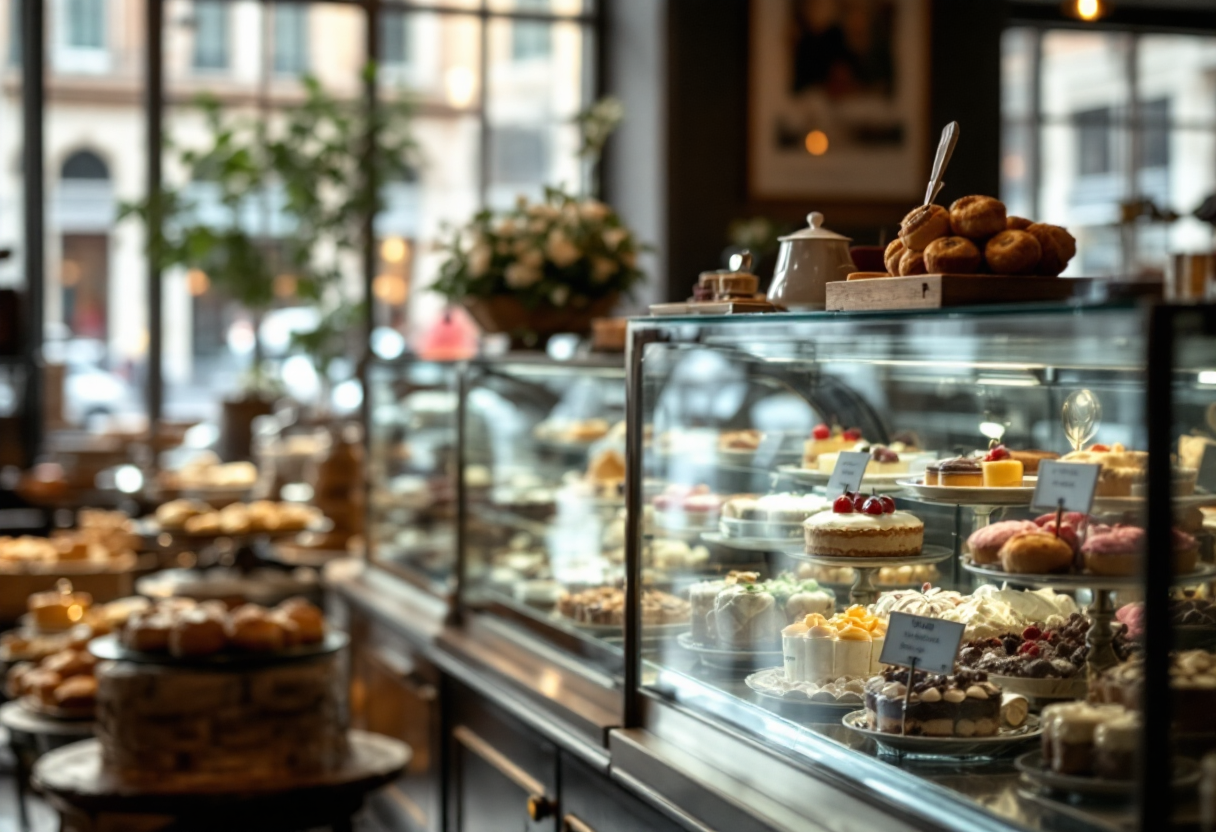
1207 470
1070 482
846 476
927 643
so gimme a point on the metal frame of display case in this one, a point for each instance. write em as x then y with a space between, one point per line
871 779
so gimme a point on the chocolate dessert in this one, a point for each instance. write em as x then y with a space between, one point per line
1036 653
963 705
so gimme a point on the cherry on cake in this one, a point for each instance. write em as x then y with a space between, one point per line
861 526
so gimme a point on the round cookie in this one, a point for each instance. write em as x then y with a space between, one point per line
923 225
1013 252
890 258
1057 244
952 255
1017 223
912 263
977 217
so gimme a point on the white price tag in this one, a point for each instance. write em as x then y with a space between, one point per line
928 643
1073 483
846 476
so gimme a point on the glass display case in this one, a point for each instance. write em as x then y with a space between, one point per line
413 453
778 632
544 470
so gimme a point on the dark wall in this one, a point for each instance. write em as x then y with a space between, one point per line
706 143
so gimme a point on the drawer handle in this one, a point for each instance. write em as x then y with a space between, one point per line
506 767
570 823
539 807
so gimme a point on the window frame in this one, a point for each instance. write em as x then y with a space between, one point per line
27 50
1127 122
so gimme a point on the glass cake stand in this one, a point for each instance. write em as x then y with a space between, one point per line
1100 637
863 590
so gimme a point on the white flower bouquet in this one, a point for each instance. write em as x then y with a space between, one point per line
562 254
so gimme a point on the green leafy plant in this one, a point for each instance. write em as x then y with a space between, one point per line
314 170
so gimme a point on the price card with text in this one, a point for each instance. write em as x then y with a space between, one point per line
1207 470
846 476
1072 483
928 643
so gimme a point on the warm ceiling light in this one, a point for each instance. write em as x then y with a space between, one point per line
816 142
394 250
390 289
197 283
285 285
461 85
1087 10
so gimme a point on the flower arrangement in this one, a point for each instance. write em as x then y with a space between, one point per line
564 252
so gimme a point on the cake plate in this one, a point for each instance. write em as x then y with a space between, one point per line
1100 636
983 502
748 544
1032 767
767 684
110 648
723 659
863 590
1005 741
813 477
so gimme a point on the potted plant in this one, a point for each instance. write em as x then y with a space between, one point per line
540 268
545 267
313 169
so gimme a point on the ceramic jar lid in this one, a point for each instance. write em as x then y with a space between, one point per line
815 230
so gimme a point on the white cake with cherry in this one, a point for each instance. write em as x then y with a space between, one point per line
861 526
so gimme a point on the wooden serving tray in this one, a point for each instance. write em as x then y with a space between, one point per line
714 307
935 291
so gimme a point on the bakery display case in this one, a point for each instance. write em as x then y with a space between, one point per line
1075 646
412 470
544 467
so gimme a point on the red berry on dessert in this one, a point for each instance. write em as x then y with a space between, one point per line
1028 649
888 504
859 502
880 453
821 432
1032 633
852 434
843 504
996 454
1100 448
872 505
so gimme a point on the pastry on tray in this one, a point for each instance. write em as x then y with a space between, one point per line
906 575
986 613
829 440
1084 740
740 440
1034 653
774 508
184 628
742 612
605 606
819 650
965 704
862 526
975 235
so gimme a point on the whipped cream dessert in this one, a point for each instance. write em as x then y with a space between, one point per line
821 650
987 612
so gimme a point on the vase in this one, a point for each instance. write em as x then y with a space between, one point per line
531 327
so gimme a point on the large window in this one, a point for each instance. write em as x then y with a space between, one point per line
1094 125
290 38
530 38
492 117
210 34
85 24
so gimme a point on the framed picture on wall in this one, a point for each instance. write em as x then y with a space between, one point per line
838 100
